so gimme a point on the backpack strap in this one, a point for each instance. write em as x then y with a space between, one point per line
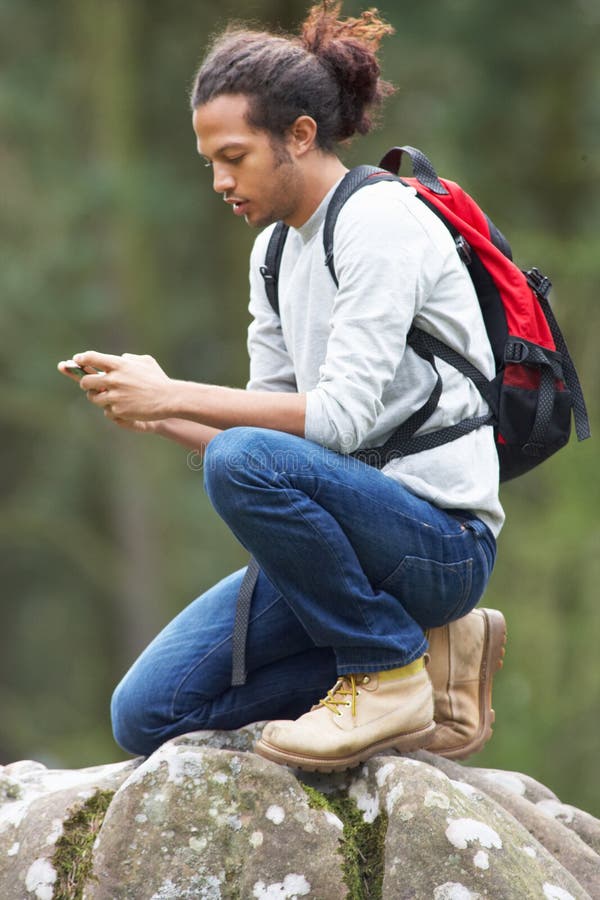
422 340
352 181
541 286
403 441
270 269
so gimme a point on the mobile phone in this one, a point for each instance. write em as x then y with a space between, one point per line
76 370
73 369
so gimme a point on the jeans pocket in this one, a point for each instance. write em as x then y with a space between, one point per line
431 592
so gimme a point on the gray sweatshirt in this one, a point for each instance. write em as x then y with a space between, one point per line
345 347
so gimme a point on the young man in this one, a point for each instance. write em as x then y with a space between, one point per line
356 564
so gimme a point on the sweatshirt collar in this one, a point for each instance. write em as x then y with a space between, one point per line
312 225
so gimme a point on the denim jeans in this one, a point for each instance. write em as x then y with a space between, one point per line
354 569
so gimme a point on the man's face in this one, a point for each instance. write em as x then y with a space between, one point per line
256 174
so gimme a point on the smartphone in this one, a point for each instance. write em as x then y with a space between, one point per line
76 370
73 369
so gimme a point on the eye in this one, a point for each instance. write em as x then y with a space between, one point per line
235 159
207 163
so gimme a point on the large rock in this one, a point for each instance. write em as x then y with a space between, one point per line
204 817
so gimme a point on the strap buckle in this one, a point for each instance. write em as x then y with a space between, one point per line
541 284
267 274
515 352
463 248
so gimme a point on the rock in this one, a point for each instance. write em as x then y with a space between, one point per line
210 823
204 817
572 836
35 804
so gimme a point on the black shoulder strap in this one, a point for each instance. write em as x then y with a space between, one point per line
270 269
351 182
360 176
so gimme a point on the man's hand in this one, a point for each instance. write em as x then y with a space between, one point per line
134 392
132 389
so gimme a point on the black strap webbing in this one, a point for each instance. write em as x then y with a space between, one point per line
270 270
422 340
422 167
582 423
353 180
240 625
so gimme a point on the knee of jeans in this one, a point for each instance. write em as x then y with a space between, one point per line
128 719
229 455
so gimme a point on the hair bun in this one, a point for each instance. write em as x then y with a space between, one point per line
348 48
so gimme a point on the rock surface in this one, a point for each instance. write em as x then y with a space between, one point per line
204 817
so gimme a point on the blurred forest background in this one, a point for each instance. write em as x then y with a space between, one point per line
112 239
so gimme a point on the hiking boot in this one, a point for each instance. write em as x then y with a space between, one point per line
361 715
464 656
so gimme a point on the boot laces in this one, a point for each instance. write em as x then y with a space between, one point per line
343 688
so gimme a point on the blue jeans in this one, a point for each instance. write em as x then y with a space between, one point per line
354 568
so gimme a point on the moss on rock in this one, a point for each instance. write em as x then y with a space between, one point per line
72 858
362 845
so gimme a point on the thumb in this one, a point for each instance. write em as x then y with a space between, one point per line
103 361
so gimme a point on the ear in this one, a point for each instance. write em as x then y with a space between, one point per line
302 135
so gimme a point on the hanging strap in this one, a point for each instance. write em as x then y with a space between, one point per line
421 166
541 286
240 624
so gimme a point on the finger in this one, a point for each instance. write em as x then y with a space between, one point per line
98 398
103 361
94 383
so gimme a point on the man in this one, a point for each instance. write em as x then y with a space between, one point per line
356 564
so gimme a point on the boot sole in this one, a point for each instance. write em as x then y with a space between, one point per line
404 743
492 662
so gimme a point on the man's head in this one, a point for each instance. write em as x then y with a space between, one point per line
285 103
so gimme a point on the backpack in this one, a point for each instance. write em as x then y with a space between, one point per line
536 388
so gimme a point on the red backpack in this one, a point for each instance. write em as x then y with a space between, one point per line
536 387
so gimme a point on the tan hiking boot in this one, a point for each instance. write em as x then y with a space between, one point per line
361 715
464 656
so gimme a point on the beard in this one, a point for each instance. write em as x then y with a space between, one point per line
286 187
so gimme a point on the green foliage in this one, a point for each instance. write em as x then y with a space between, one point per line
113 239
72 858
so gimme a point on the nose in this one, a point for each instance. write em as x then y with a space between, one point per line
223 180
